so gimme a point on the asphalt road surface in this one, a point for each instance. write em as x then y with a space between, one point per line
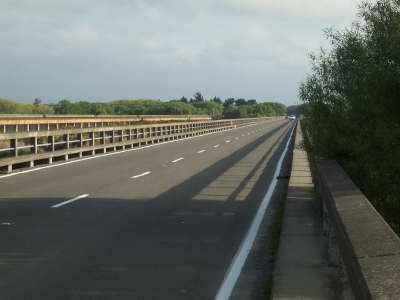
156 223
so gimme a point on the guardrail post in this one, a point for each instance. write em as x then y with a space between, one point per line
67 140
50 140
92 142
34 143
102 137
80 137
14 145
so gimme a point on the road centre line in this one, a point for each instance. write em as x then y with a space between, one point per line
227 141
141 175
216 146
70 201
178 159
201 151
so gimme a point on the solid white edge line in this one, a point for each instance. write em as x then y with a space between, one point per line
141 175
115 153
70 200
240 257
178 159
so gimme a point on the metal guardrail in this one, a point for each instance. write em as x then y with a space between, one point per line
64 137
368 247
17 123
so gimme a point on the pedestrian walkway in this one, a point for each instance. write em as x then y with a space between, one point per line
302 270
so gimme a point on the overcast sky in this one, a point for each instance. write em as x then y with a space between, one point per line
162 49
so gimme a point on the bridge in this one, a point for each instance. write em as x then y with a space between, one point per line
147 210
172 207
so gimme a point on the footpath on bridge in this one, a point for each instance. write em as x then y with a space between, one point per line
302 270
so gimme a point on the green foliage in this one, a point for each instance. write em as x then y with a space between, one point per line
250 109
240 102
231 108
216 100
229 101
297 110
197 98
12 107
8 106
354 107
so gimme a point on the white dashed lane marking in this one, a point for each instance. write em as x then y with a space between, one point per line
70 201
141 175
178 159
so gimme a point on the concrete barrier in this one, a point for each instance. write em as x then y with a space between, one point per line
26 141
367 246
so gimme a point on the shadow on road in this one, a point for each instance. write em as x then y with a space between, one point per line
175 246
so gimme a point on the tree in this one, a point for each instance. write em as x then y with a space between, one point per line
199 105
184 100
198 97
36 106
37 102
231 112
216 100
63 107
252 102
228 102
8 106
240 102
211 108
353 103
101 109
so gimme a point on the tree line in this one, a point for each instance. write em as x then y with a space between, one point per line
353 104
197 105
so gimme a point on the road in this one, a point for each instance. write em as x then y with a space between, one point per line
157 223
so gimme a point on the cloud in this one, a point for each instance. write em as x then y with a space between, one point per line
80 37
98 49
321 9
